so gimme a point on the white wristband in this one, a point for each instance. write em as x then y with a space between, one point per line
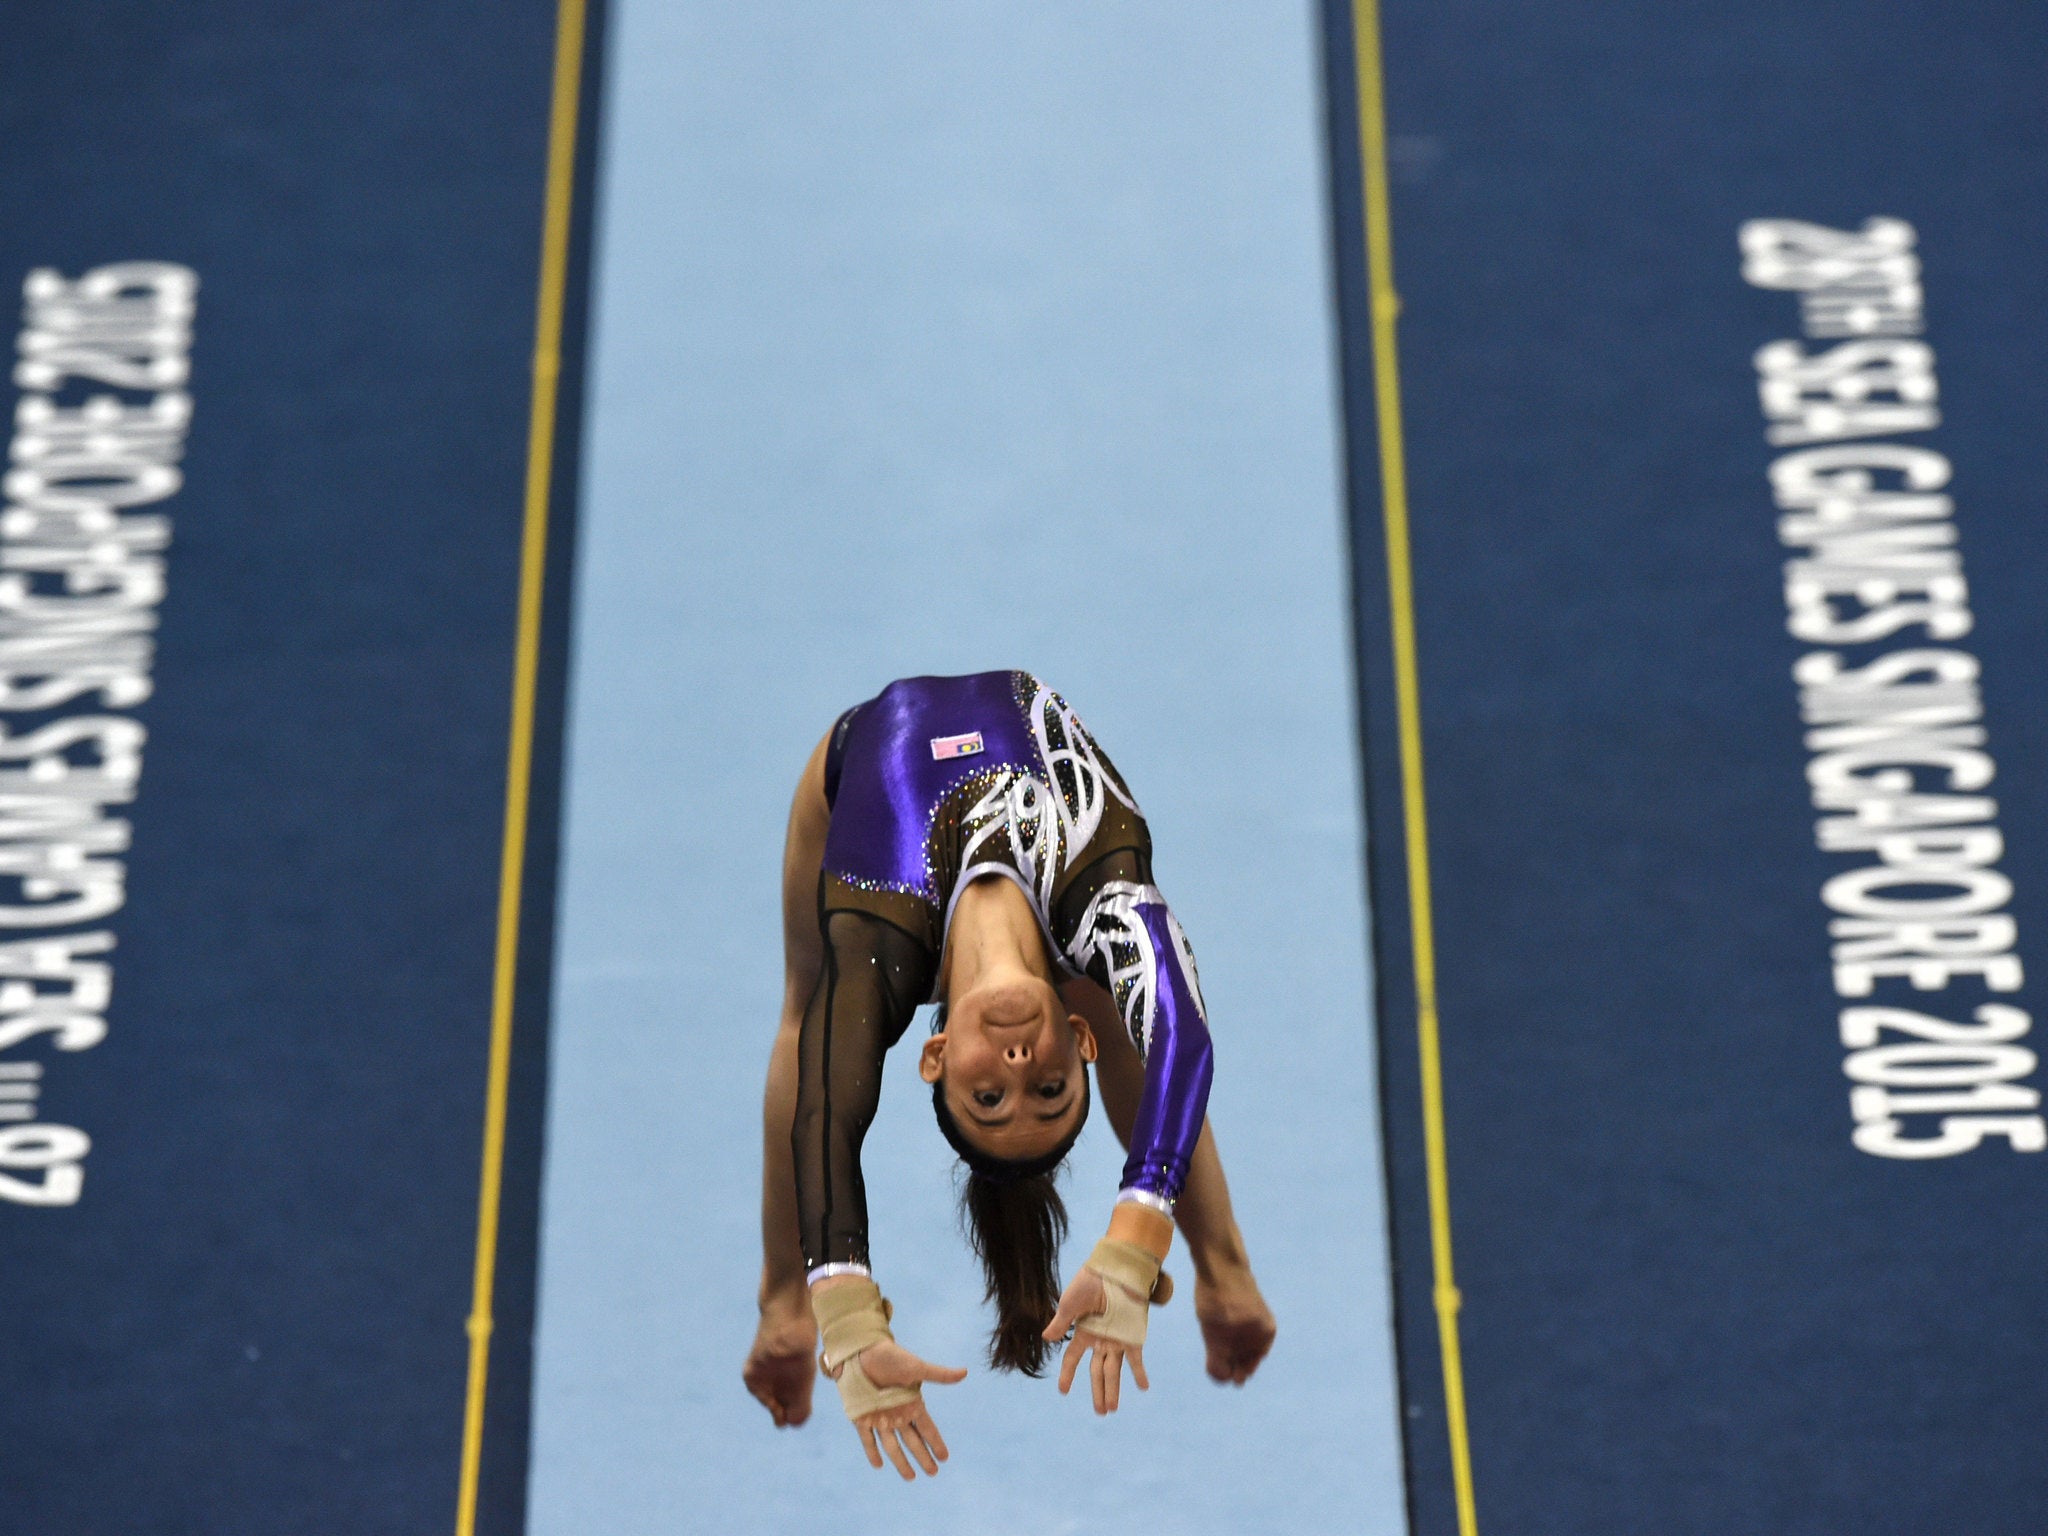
1145 1197
827 1271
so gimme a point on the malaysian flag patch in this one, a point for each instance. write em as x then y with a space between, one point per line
944 747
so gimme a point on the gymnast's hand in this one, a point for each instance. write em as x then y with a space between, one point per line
1087 1299
782 1367
905 1426
1237 1325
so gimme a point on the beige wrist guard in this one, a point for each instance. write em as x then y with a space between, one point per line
1132 1281
861 1397
851 1317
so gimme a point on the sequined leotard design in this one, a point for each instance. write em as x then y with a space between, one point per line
933 783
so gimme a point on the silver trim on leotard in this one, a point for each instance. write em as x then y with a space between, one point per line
1111 928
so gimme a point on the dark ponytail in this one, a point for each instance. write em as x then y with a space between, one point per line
1015 1221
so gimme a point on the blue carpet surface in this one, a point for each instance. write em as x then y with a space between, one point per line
1702 1288
252 1317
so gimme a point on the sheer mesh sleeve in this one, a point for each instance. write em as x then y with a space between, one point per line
875 975
1115 926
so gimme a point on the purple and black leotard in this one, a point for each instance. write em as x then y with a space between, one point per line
936 782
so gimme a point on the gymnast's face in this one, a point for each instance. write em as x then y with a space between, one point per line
1011 1061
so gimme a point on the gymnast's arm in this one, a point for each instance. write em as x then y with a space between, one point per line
850 984
1203 1214
1114 926
781 1367
874 977
1237 1325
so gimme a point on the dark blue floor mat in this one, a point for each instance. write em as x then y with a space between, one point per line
245 1310
1741 1156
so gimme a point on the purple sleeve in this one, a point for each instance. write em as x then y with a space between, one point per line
1129 942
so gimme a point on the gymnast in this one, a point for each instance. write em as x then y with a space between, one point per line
964 840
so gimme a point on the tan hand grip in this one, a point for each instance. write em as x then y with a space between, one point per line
1130 1276
851 1316
859 1396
